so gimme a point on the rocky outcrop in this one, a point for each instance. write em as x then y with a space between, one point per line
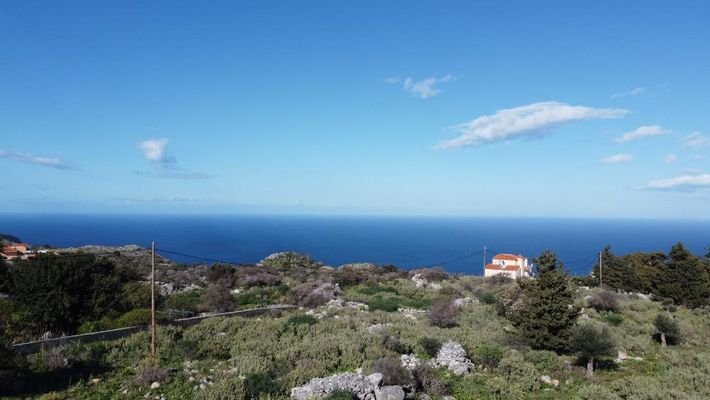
453 356
462 302
421 282
410 361
361 386
389 393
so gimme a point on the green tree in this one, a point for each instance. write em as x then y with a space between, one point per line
4 277
61 292
667 328
547 313
590 342
686 279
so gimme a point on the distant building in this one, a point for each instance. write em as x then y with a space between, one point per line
510 265
16 250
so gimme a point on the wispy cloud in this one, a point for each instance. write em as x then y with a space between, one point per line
424 88
670 158
51 162
523 122
683 183
641 132
155 151
633 92
617 159
695 140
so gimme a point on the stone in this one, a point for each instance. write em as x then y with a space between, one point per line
409 361
453 356
155 385
359 385
376 378
463 302
389 393
376 328
448 398
555 382
621 357
546 379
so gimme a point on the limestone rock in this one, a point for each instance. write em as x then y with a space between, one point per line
389 393
453 356
410 361
375 379
359 385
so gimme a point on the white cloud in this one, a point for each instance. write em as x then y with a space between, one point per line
51 162
525 121
155 150
695 140
641 133
617 159
669 158
633 92
424 88
683 183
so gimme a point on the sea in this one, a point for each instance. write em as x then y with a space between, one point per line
454 243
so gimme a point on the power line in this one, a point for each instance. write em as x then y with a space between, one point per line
478 253
215 260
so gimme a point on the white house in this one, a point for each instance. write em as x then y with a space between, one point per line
510 265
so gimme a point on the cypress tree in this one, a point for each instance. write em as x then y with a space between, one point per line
686 280
548 313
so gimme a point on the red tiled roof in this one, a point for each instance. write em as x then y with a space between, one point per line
505 268
508 257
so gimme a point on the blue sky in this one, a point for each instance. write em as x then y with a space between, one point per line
565 109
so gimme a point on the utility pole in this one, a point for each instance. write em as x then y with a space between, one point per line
600 269
152 299
484 259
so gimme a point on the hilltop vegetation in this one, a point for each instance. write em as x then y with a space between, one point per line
542 339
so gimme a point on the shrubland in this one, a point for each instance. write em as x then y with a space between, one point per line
531 339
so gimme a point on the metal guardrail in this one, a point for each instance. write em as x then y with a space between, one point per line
33 347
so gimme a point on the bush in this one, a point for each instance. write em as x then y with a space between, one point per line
392 343
183 301
544 361
389 304
604 301
433 274
216 298
487 298
313 294
148 373
222 274
392 371
488 355
443 314
427 380
614 318
301 319
431 346
667 329
341 395
135 317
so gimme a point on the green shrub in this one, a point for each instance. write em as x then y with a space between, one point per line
487 298
595 392
544 360
183 301
372 290
488 355
341 395
614 318
431 346
392 371
301 319
135 317
389 304
443 314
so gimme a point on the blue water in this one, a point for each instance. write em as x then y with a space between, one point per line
407 242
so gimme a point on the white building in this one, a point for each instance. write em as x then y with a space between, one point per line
510 265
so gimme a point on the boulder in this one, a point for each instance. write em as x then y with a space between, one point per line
546 379
375 379
453 356
389 393
359 385
410 361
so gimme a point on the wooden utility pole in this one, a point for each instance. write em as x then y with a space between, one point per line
152 299
600 269
484 259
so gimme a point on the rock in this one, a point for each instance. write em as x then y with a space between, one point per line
423 396
411 313
410 361
389 393
546 379
448 398
453 356
356 383
420 282
621 357
376 378
464 301
587 298
366 266
155 385
376 328
555 382
647 297
95 380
